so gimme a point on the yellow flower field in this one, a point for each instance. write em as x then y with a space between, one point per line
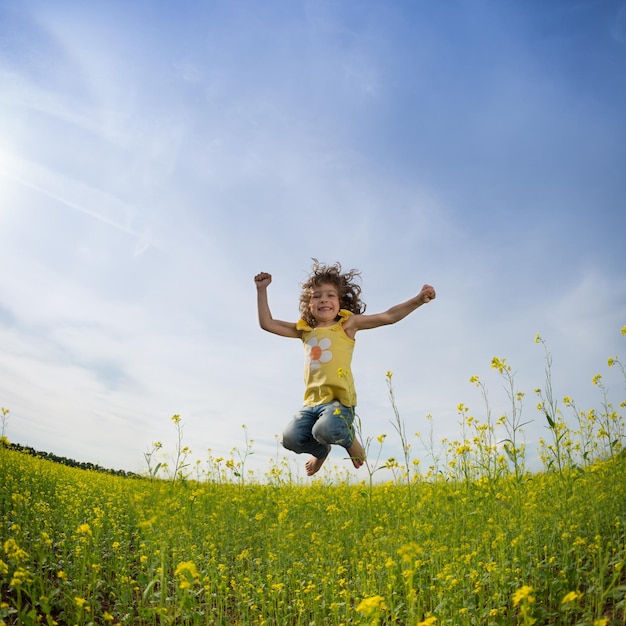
476 540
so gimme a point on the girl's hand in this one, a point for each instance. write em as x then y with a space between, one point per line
427 294
262 280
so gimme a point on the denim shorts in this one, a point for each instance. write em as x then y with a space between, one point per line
314 428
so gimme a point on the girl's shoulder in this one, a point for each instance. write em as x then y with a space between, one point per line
344 315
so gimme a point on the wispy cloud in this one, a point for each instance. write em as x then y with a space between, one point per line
76 195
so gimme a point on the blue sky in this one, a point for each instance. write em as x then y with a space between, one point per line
154 156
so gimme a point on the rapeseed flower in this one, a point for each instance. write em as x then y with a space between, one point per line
523 594
14 552
372 606
500 364
572 596
187 574
20 577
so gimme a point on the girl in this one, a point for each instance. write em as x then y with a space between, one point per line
331 314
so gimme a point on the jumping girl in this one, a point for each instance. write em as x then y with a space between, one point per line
331 314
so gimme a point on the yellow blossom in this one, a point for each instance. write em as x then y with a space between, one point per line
500 364
372 606
13 551
523 593
187 573
20 577
572 596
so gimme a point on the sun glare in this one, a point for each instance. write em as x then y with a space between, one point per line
7 181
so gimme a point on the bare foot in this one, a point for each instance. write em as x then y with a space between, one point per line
357 453
313 465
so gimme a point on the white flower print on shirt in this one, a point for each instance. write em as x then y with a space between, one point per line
317 352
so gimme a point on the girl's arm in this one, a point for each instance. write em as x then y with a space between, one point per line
266 321
391 316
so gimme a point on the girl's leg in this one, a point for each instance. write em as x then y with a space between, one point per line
357 453
336 426
298 435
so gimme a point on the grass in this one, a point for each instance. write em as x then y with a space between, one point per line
478 540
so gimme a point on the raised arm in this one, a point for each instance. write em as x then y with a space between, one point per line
266 321
392 315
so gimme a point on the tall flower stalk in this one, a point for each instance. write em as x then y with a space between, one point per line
182 452
399 427
4 421
558 457
514 446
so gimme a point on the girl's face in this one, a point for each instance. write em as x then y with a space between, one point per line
324 304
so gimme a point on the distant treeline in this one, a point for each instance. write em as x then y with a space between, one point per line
69 462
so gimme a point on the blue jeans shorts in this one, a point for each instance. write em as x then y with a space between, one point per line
314 428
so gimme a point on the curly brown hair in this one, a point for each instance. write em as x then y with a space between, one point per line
349 292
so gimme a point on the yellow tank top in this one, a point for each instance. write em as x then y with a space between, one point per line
327 363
